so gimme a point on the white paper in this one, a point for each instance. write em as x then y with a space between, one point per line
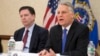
19 45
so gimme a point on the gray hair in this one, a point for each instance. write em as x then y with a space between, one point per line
71 8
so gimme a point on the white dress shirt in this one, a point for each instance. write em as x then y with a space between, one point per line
68 28
26 48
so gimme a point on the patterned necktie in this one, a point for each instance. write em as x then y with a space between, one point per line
25 37
64 36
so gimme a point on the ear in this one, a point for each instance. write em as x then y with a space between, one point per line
33 15
72 15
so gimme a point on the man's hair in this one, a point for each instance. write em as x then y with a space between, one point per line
29 8
67 4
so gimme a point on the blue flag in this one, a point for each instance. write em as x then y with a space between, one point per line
83 14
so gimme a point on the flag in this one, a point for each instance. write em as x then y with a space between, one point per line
50 18
83 14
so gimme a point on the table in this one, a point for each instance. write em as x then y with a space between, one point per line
23 54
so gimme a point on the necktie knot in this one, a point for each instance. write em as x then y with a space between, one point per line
27 31
64 31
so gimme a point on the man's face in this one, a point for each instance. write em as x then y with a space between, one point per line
27 18
64 15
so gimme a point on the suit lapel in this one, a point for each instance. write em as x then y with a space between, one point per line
71 33
59 37
59 33
21 34
34 34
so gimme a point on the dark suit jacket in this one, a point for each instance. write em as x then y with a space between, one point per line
1 50
76 43
38 38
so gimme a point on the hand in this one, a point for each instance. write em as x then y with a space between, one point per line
50 53
43 52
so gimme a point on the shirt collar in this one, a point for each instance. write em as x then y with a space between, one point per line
68 27
30 28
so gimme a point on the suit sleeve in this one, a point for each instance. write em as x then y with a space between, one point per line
43 39
48 43
50 39
81 46
15 35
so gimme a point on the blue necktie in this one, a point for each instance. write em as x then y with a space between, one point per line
64 36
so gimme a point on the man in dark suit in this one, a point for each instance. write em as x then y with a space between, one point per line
76 38
36 36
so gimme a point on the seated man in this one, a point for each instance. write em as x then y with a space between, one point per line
69 37
33 36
